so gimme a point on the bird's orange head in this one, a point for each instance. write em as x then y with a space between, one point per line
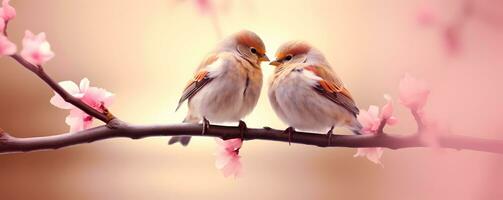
251 46
293 50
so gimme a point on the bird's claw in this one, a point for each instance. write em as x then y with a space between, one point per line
243 129
289 131
206 126
330 134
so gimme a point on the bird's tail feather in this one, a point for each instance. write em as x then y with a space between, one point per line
183 140
356 127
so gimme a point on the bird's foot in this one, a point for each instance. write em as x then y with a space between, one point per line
290 131
243 129
330 133
206 126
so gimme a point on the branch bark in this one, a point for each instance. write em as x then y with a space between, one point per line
118 129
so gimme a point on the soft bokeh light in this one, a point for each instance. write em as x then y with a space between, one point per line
144 52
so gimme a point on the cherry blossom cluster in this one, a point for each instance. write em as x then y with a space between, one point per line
37 51
7 13
413 94
97 98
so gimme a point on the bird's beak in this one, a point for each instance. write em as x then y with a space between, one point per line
263 58
275 63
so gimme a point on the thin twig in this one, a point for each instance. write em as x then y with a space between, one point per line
419 120
5 28
380 130
39 71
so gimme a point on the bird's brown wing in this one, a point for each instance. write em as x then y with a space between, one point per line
332 88
200 79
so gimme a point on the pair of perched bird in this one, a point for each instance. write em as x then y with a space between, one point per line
304 91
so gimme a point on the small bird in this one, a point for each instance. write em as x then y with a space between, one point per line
306 93
226 85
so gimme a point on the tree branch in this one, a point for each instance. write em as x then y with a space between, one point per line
118 129
39 71
115 128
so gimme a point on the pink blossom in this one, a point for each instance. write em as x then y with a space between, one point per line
370 120
6 46
387 111
373 154
78 120
97 98
7 12
413 93
36 49
227 156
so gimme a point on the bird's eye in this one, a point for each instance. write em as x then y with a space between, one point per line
289 57
253 50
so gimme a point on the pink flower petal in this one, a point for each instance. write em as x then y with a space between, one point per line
387 109
97 97
69 87
413 93
7 12
233 168
6 46
222 159
84 85
369 119
76 124
364 118
227 156
36 49
59 102
233 144
373 154
78 120
373 111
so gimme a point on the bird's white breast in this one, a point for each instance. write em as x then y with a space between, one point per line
300 106
231 95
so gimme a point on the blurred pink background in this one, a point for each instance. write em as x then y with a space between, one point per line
145 52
